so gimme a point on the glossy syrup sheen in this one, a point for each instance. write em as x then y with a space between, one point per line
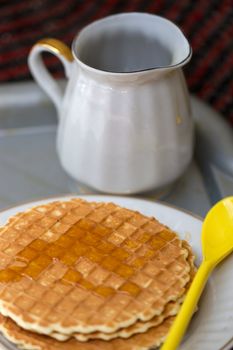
86 239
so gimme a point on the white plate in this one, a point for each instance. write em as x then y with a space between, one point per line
212 326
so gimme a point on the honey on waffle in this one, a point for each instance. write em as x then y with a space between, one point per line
171 309
84 267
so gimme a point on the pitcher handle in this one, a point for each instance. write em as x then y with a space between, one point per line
41 74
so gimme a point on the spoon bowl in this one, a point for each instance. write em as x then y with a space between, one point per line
217 231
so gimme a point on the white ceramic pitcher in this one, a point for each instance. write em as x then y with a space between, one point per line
124 120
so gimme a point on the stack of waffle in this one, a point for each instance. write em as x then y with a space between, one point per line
85 275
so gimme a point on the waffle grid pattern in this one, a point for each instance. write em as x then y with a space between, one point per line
117 287
170 309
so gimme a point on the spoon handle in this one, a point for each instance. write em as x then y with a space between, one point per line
182 320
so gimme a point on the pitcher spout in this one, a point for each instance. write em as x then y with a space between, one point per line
179 47
169 47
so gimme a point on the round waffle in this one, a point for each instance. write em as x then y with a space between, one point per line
29 340
171 309
81 267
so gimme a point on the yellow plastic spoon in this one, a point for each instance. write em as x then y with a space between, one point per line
217 243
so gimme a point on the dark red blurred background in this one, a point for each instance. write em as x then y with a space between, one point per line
207 25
